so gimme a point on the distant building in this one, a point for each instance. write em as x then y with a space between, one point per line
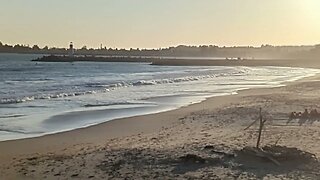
71 50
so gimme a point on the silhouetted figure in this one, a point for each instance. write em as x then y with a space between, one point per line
305 114
303 117
299 114
314 114
293 115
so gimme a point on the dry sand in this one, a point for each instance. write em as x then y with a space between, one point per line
194 142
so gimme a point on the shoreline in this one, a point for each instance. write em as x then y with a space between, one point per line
135 124
78 122
158 110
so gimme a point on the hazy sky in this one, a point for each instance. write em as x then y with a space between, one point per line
159 23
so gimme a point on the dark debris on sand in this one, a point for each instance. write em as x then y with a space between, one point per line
194 161
203 162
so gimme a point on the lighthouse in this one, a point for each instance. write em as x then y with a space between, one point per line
71 50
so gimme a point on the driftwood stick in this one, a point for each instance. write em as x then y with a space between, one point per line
251 124
276 143
260 128
260 153
266 155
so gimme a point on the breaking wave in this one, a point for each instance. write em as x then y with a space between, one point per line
103 88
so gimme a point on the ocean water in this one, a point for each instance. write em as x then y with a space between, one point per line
43 98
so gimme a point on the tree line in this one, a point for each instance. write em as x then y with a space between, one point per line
264 51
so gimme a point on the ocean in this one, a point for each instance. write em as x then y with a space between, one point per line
44 98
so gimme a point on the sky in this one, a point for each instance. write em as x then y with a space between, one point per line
159 23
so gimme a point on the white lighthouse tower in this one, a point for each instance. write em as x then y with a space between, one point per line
71 50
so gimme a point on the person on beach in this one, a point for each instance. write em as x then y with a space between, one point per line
305 114
314 114
293 115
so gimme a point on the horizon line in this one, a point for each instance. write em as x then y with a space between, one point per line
101 46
